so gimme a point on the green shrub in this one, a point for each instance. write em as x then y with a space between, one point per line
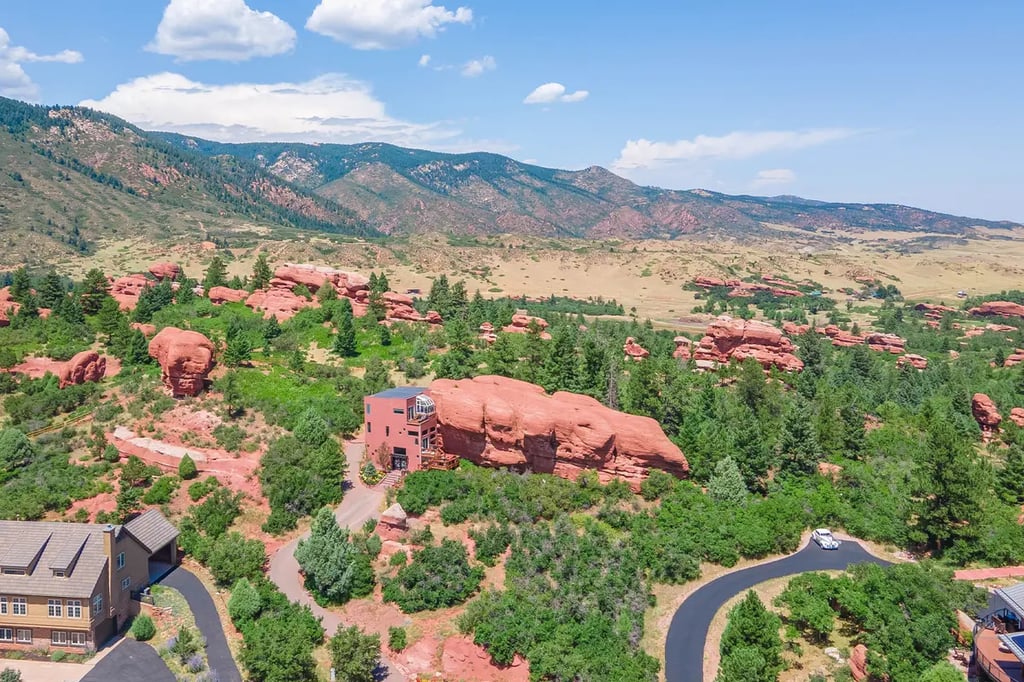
161 491
10 675
229 437
398 559
187 468
111 454
437 577
397 639
244 604
143 629
58 656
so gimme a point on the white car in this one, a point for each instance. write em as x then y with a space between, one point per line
823 537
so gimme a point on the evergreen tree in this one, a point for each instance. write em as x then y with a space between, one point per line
238 351
51 291
383 284
377 377
355 656
1010 479
216 274
439 298
384 333
799 448
21 285
70 309
186 291
752 627
187 469
271 328
502 356
345 341
459 362
245 602
261 273
561 367
335 569
326 293
95 291
642 393
726 484
110 317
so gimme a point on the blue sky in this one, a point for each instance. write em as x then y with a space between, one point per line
917 103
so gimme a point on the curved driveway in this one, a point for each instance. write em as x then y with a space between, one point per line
207 620
688 633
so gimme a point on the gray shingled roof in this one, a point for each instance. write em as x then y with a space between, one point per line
152 530
1014 597
29 543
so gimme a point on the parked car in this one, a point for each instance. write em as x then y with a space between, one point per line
823 537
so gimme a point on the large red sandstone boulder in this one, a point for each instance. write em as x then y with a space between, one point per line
185 358
933 311
313 277
794 329
85 366
433 317
147 329
220 295
859 662
889 343
278 302
1017 416
684 348
986 414
495 421
999 309
487 333
162 271
830 470
728 339
521 325
634 351
915 361
126 290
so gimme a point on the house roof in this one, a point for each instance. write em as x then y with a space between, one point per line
400 392
152 530
1014 597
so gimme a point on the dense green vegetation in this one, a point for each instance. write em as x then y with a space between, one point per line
751 647
335 568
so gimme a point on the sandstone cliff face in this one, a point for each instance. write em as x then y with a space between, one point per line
728 339
126 290
185 358
221 295
634 351
521 325
999 309
164 271
1017 416
495 421
910 359
82 367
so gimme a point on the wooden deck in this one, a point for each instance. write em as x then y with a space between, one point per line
1001 666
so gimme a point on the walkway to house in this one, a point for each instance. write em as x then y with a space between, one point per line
359 504
207 620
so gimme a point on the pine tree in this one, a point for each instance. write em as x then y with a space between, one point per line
71 310
95 291
799 449
439 298
1010 479
502 357
21 285
384 333
186 291
187 468
238 351
726 484
260 273
326 293
752 626
459 362
216 274
51 291
561 365
377 377
345 341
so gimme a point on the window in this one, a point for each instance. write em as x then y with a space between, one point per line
74 608
59 574
58 637
126 583
387 431
367 408
6 635
24 636
414 434
398 410
398 451
3 606
97 605
53 608
19 606
14 571
369 427
120 561
77 639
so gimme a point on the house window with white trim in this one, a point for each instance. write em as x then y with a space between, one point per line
126 583
6 635
120 561
74 608
58 637
77 639
97 605
53 608
24 637
3 606
19 606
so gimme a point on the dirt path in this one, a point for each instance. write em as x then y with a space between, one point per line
359 504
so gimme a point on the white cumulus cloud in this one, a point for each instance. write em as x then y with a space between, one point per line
14 82
383 24
773 177
550 93
477 67
227 30
736 145
329 108
424 60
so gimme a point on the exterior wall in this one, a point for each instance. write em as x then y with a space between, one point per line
136 567
41 624
387 426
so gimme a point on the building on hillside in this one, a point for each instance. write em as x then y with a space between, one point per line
400 426
999 637
71 586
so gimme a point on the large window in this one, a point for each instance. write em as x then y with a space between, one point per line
74 608
97 605
24 637
58 637
6 635
77 639
53 608
3 606
120 561
19 606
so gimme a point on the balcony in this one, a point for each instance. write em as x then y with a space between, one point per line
435 459
994 658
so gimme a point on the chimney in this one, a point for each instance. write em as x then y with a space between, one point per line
108 548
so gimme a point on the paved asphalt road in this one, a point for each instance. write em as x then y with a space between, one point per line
684 647
199 600
130 661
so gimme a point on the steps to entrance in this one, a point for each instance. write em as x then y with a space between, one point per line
393 478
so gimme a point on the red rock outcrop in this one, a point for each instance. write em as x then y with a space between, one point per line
1000 328
147 330
220 295
487 333
82 367
709 282
278 302
728 339
986 414
684 348
999 309
933 311
433 317
185 358
1014 358
915 361
794 329
126 290
830 470
162 271
496 421
8 307
314 276
889 343
634 351
521 325
859 662
1017 416
840 338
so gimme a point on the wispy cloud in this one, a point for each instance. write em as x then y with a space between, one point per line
424 60
550 93
14 82
477 67
383 24
773 177
644 153
227 30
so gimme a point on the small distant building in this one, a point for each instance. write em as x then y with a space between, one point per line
400 427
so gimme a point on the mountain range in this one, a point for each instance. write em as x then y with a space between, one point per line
73 176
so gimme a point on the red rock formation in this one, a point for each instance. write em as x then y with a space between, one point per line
126 290
915 361
934 312
220 295
496 421
859 662
684 348
162 271
1000 328
886 342
82 367
794 329
727 339
521 325
1014 358
634 351
147 330
986 414
393 523
185 358
278 302
709 282
829 470
487 332
433 317
1017 416
998 309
